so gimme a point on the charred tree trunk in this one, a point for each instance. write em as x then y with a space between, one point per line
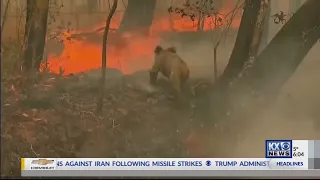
43 11
285 52
278 61
35 33
259 30
29 36
138 16
240 53
200 22
104 57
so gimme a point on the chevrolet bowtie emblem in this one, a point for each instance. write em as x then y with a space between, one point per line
42 161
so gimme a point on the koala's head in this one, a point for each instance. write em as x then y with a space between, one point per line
160 49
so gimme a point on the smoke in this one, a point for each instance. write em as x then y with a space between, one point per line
294 115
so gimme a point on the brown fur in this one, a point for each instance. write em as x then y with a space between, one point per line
172 66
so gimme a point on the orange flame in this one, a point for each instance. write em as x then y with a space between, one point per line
128 53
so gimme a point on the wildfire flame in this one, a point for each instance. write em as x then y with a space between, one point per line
128 53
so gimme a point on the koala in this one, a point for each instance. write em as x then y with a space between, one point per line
172 66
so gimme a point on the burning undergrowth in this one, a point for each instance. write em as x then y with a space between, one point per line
128 52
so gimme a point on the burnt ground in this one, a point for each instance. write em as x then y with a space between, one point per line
51 116
46 115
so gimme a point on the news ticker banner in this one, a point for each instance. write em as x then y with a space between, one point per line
289 156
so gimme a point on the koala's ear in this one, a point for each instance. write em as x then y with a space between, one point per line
172 49
158 49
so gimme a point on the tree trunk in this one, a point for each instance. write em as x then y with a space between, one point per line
41 31
104 57
35 33
199 22
138 16
28 37
240 53
277 62
259 30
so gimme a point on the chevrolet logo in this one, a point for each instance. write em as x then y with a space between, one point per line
42 161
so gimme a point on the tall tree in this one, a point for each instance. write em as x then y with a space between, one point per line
35 33
104 56
240 53
138 16
279 60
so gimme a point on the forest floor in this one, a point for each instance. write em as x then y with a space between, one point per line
52 116
46 115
